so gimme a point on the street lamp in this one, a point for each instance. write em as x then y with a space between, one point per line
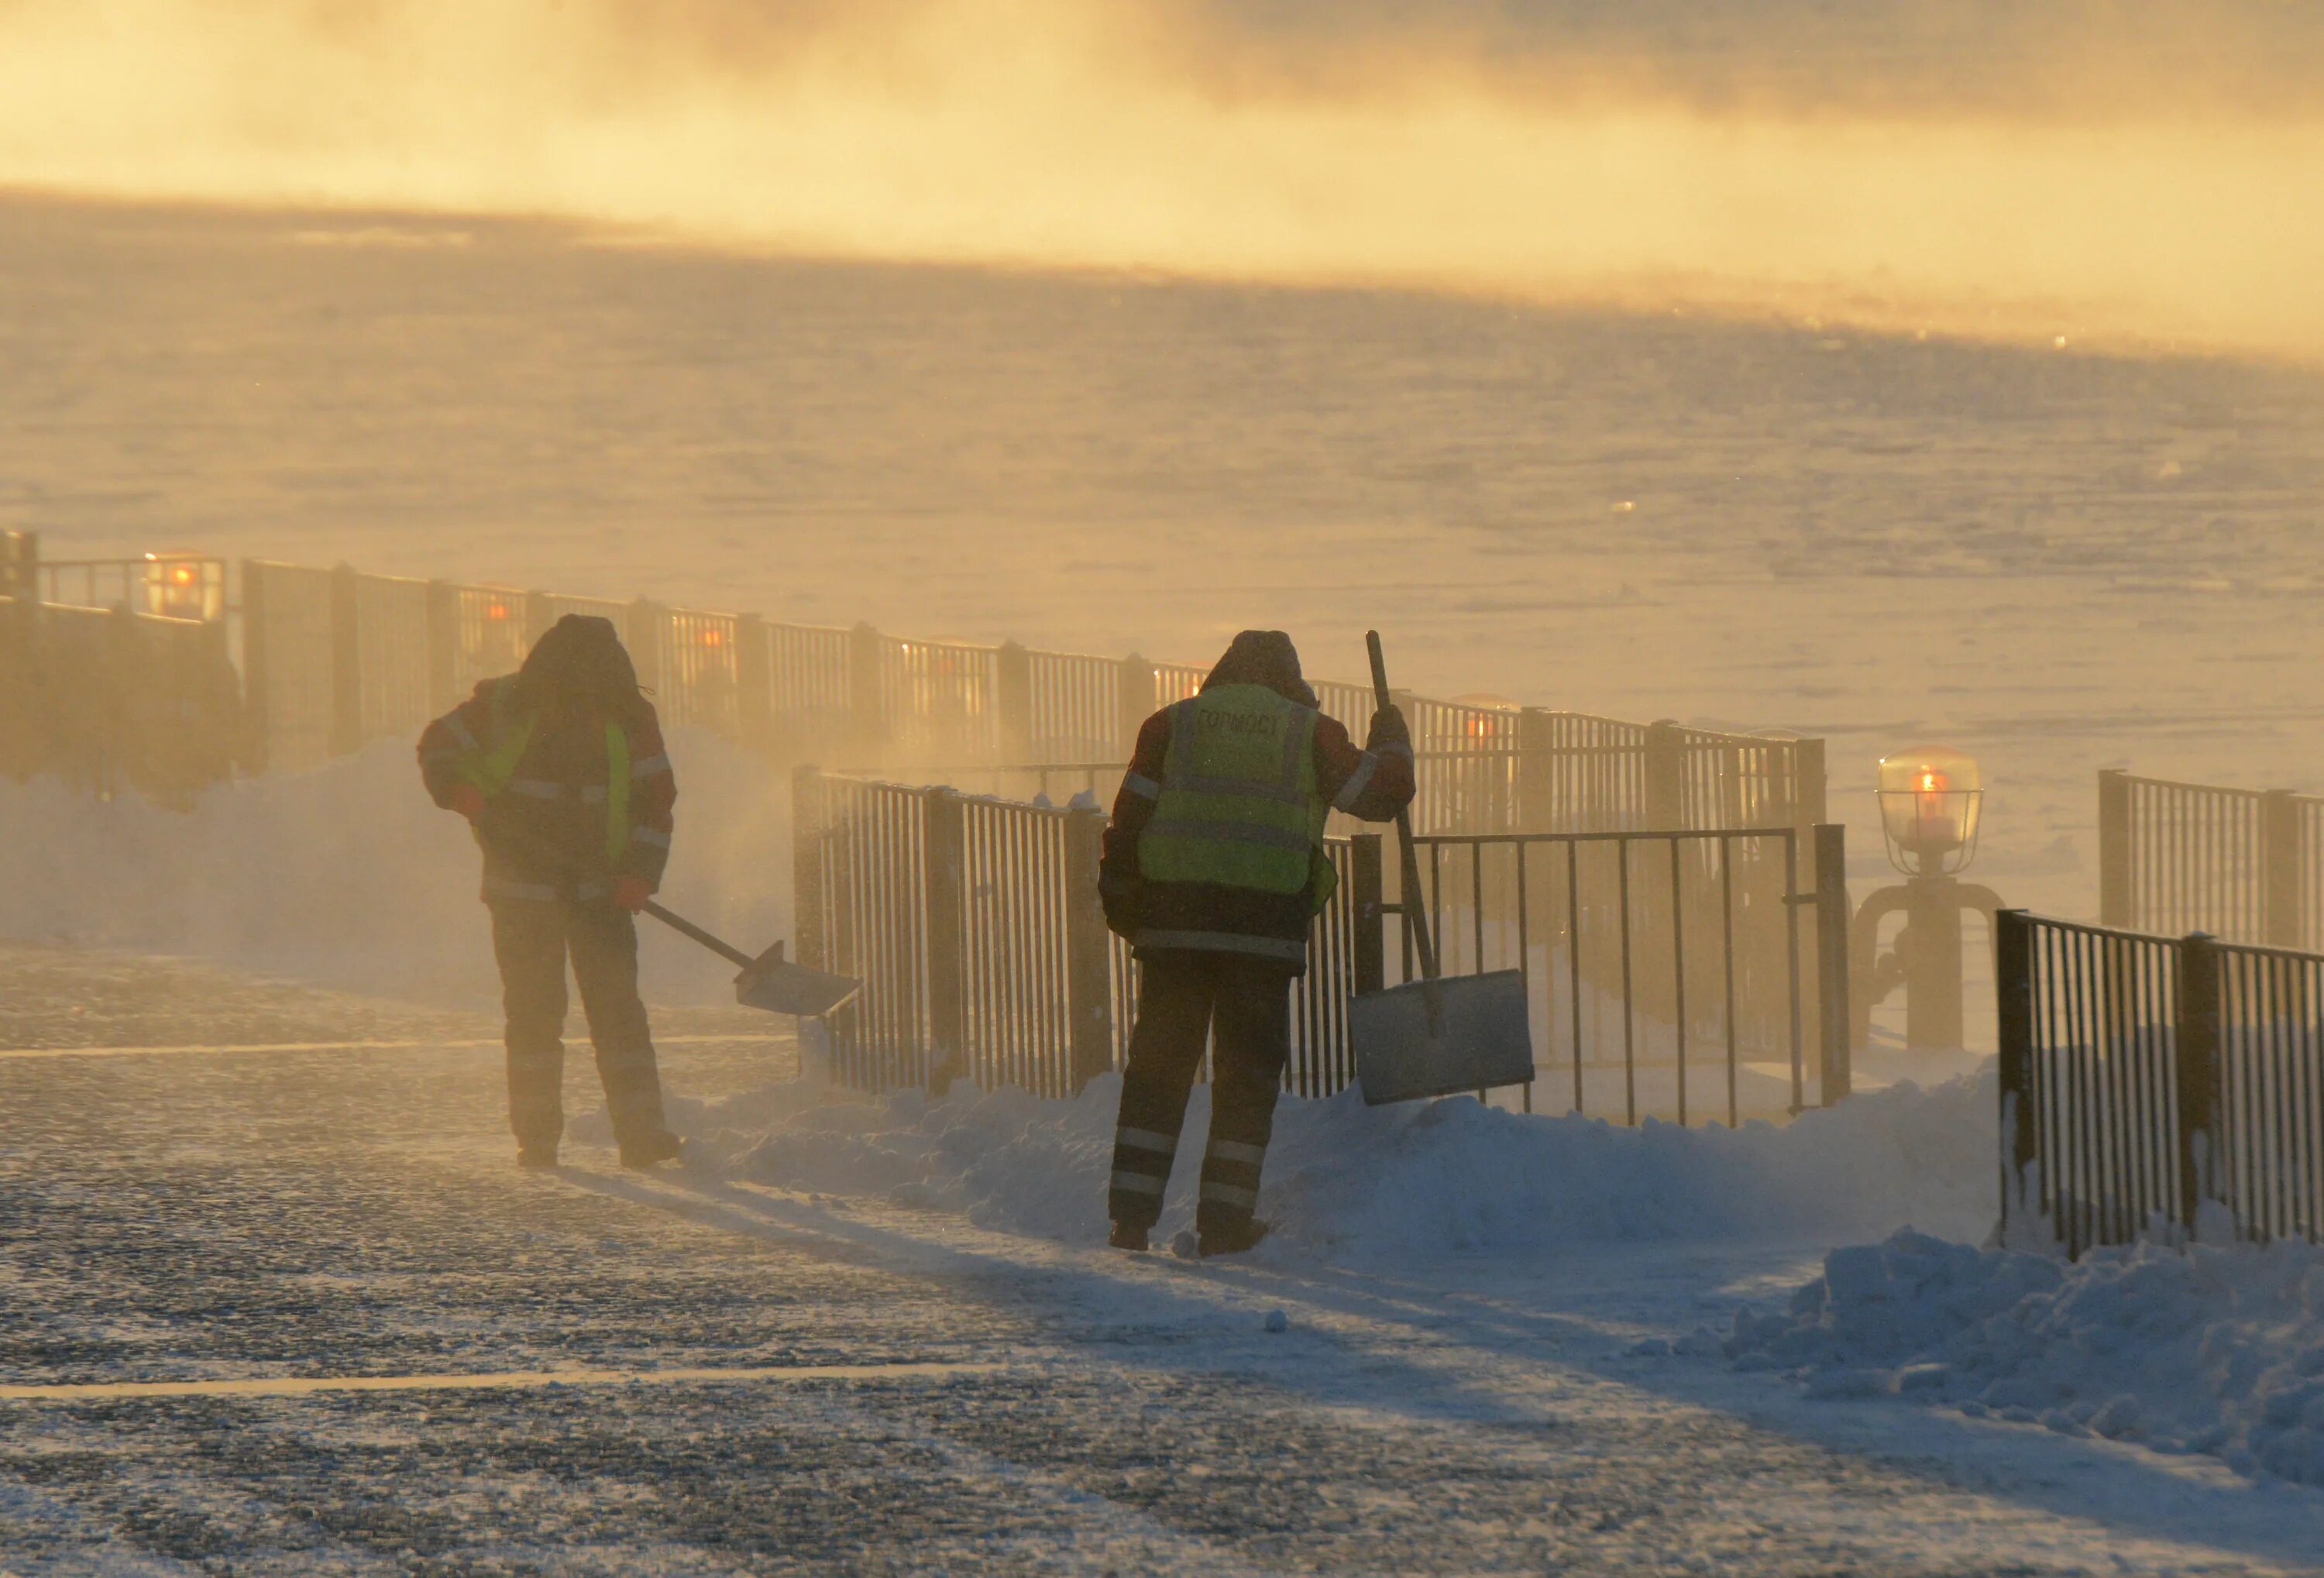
1931 801
1931 810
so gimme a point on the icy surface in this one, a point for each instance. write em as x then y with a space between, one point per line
1540 1400
2216 1349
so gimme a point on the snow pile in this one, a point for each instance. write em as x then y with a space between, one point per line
1344 1179
2217 1349
350 877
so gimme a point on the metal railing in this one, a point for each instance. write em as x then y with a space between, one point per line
1658 957
974 924
2158 1085
2245 864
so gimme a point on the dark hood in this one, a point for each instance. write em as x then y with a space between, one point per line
579 665
1263 656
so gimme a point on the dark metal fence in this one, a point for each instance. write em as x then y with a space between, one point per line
2245 864
974 924
2153 1085
1661 971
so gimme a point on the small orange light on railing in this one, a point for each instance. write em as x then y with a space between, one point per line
711 637
495 610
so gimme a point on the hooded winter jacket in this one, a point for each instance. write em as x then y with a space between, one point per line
1216 842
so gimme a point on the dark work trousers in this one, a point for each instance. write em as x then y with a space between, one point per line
530 938
1183 997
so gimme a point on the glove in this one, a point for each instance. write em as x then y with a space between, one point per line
1388 729
1123 896
468 800
631 892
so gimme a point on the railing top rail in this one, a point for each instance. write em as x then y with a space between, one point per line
1632 836
2263 950
2224 791
134 558
985 769
2092 928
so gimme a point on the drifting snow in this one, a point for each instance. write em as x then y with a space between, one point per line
2217 1349
1389 1183
350 877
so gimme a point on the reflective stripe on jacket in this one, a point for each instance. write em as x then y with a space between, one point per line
578 808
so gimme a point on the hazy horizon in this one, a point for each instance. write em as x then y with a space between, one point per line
2128 177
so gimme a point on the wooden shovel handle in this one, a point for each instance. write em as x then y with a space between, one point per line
1414 907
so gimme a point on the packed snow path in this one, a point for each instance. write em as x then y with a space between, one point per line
215 1217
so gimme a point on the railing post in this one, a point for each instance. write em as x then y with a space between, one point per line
255 717
2013 965
943 857
443 646
2197 1048
647 623
1811 804
810 811
1012 700
1367 904
866 652
347 662
1833 917
2114 848
1089 954
1536 770
2280 868
1136 701
754 683
1666 775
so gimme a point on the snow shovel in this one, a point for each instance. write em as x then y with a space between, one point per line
1436 1037
771 981
768 981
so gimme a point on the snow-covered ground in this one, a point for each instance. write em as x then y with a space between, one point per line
1385 1185
2213 1349
877 1336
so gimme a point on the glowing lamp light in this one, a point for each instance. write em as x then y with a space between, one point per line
711 637
496 611
178 587
1931 802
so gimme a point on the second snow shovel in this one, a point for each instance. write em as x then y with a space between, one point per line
767 980
770 981
1436 1037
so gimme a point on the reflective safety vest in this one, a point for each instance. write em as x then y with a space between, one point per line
491 768
1238 806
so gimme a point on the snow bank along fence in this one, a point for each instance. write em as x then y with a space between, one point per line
2156 1083
2245 864
126 686
1667 971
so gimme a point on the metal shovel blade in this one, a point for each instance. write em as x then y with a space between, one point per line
773 982
1479 1038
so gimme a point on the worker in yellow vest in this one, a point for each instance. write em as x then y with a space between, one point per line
1214 869
560 769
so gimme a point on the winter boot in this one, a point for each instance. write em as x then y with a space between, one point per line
1128 1235
1232 1239
660 1146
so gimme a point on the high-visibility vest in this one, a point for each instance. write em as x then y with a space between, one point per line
1238 806
491 768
